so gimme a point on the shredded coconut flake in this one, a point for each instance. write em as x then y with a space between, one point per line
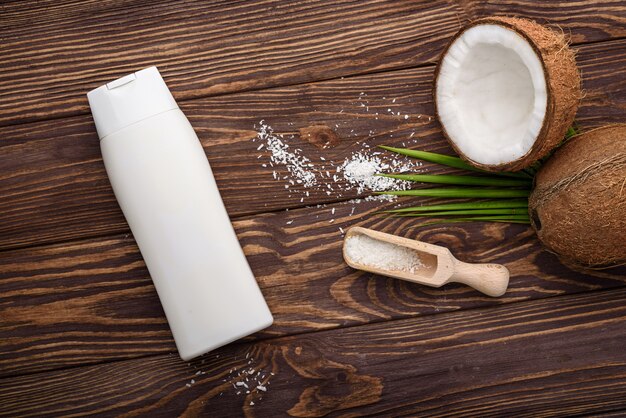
371 252
358 172
361 169
297 165
258 381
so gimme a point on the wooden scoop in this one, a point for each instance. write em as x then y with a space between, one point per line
438 265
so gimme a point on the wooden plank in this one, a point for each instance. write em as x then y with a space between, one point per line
204 48
612 414
582 21
560 357
55 188
92 301
209 48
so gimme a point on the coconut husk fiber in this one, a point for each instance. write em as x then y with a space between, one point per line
578 204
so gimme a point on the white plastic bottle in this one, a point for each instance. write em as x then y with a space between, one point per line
165 187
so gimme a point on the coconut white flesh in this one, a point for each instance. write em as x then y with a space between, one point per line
491 94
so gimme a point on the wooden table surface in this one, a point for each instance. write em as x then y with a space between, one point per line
81 328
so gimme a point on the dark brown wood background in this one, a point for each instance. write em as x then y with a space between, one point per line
81 328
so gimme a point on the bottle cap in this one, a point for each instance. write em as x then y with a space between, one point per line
128 100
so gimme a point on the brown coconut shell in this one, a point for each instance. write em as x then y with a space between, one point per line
578 204
562 80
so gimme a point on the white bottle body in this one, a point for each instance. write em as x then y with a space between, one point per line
165 187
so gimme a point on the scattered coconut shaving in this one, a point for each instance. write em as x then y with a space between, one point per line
361 169
303 176
298 165
358 172
251 380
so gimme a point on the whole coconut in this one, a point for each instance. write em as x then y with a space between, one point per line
578 204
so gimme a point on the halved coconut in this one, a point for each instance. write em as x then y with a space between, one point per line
506 91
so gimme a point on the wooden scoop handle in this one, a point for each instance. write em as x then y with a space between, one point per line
490 279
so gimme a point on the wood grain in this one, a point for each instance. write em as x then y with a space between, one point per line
54 186
82 331
582 21
210 48
611 414
560 357
93 301
204 48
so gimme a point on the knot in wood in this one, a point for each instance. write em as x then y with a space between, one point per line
321 136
